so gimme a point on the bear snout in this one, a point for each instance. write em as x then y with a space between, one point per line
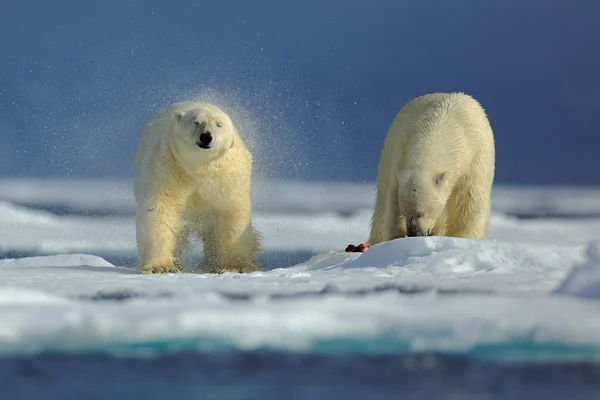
204 140
414 229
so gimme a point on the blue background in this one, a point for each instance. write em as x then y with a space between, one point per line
313 84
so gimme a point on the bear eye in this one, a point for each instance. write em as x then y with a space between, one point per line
197 122
219 125
440 178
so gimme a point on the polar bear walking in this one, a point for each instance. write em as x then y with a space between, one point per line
193 176
436 171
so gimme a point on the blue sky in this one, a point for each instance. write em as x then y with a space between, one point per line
314 85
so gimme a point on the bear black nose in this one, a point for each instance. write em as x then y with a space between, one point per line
414 231
205 139
411 231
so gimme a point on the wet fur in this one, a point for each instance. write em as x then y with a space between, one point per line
182 190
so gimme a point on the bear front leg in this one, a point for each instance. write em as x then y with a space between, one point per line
394 224
469 212
158 226
376 234
399 230
475 226
210 255
386 223
475 219
235 243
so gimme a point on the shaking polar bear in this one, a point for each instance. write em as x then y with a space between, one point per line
436 171
193 176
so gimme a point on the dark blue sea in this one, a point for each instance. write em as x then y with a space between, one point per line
268 375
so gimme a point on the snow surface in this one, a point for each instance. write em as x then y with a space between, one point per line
584 279
531 290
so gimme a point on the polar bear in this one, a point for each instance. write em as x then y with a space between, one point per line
193 176
436 171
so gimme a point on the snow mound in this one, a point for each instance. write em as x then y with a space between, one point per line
31 231
14 214
584 278
16 297
71 260
446 262
74 195
456 255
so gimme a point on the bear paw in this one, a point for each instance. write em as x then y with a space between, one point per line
212 267
160 269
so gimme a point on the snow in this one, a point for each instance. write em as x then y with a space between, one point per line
584 279
73 260
530 290
116 197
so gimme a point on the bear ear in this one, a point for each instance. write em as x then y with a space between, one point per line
178 115
440 179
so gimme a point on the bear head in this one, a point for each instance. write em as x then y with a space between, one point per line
202 133
423 195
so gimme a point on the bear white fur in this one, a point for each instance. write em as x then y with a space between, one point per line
193 176
436 171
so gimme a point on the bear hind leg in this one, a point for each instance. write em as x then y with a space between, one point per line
387 223
230 244
238 250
